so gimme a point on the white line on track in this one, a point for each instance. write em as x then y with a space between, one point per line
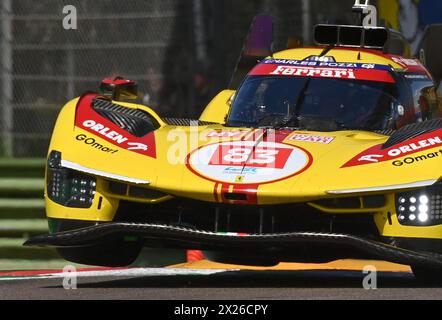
135 272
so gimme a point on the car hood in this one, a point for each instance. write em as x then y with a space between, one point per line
262 166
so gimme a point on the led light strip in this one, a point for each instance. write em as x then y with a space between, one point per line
417 184
75 166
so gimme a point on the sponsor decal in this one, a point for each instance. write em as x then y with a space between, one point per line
323 70
104 131
332 64
417 159
416 76
405 62
90 121
321 58
304 137
376 154
248 162
412 65
94 144
113 135
239 170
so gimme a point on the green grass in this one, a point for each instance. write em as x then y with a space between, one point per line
12 248
22 208
23 264
22 228
28 186
24 168
25 203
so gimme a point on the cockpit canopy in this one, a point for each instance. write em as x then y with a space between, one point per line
324 99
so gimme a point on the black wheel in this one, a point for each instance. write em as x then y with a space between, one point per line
115 254
427 275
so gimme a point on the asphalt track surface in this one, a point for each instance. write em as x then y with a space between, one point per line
222 284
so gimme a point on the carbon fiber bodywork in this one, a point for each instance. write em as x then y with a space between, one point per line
279 244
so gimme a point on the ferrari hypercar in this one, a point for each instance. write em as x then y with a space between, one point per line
313 154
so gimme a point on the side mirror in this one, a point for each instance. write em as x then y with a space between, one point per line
119 88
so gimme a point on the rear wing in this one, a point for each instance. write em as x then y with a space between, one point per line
258 45
430 51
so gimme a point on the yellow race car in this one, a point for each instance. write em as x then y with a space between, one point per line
321 153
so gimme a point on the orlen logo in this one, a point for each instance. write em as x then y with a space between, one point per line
269 162
376 154
412 147
115 137
105 131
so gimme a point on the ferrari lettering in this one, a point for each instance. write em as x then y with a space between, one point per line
105 131
312 72
422 144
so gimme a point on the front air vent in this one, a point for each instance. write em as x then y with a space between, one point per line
118 188
377 201
235 196
351 203
135 121
125 190
138 192
411 131
341 203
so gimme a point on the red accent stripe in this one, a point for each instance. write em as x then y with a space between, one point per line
224 189
215 192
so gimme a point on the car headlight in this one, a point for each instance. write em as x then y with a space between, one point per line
420 208
68 187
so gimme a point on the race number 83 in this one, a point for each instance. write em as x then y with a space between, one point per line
228 155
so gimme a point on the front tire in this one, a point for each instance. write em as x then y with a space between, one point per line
427 275
114 254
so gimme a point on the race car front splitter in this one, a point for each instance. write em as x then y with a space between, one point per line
183 236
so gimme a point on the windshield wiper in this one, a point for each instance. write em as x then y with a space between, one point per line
298 107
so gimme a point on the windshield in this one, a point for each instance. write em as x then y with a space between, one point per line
275 101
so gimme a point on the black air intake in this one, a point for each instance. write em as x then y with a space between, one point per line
351 36
135 121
